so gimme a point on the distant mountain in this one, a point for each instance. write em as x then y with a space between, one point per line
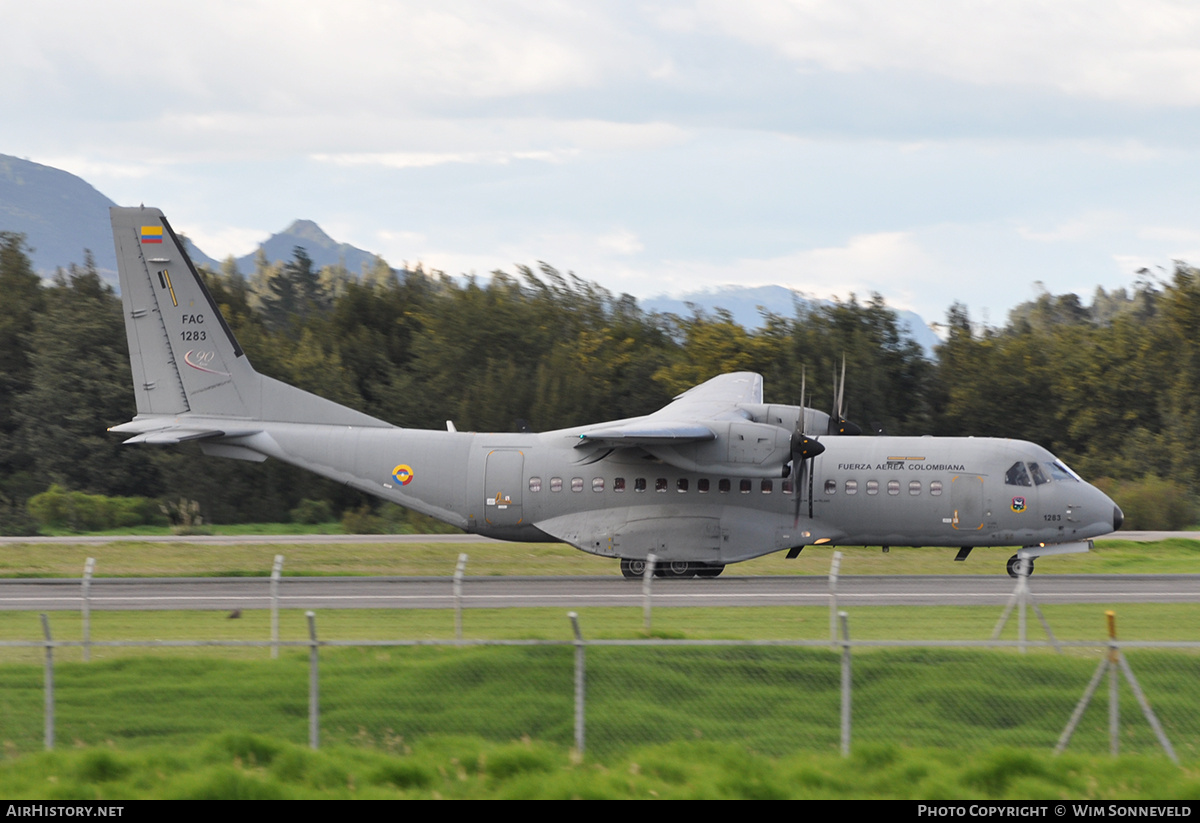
59 214
745 305
323 249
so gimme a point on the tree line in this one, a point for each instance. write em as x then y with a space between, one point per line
1109 387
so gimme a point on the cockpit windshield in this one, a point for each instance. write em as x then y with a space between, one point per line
1016 475
1035 474
1039 477
1060 471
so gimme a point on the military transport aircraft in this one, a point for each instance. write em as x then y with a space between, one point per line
714 477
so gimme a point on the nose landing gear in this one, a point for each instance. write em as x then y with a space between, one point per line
1014 566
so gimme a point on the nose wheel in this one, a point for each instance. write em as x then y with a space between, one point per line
1014 566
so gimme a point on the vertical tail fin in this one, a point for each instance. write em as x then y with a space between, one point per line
184 356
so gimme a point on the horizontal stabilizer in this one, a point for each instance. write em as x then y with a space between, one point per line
151 430
173 436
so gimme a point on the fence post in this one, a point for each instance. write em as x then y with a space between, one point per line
580 683
48 735
314 723
276 573
459 570
647 577
846 683
1114 711
88 568
834 567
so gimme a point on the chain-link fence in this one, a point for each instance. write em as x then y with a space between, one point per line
606 696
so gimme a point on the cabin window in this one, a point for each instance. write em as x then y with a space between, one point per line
872 487
893 487
639 485
935 487
787 487
702 485
535 484
724 485
576 484
555 484
766 487
597 484
681 485
660 484
744 486
830 487
618 484
914 487
1016 475
851 487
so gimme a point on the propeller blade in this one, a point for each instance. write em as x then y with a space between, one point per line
838 424
804 449
841 392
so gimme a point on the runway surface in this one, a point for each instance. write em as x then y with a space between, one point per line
577 592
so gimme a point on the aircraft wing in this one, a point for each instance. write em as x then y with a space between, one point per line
715 399
689 418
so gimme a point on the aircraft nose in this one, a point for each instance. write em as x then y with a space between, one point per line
1118 517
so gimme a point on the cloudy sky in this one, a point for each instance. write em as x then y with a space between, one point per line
930 150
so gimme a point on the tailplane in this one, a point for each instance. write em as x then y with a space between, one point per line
186 362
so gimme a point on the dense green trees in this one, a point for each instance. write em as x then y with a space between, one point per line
1109 386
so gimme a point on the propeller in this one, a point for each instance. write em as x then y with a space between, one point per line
838 424
804 449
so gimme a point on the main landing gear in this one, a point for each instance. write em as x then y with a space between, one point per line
677 569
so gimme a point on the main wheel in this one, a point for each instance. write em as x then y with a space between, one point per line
633 568
1014 566
677 569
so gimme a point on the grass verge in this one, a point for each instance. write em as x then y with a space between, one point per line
150 559
237 765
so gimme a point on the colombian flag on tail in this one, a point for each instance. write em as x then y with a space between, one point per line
151 234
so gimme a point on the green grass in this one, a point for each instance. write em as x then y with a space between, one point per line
149 559
333 527
236 765
770 700
1076 622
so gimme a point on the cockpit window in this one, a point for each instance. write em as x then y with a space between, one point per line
1017 476
1060 472
1039 477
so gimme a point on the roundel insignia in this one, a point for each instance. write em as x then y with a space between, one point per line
402 474
1018 504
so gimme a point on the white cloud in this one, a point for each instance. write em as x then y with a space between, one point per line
94 170
1139 51
219 241
892 263
421 160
